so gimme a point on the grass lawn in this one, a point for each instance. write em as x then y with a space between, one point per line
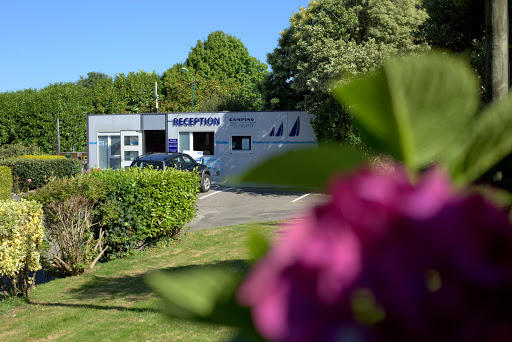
114 304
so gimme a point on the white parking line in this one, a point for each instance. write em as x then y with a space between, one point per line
301 197
216 192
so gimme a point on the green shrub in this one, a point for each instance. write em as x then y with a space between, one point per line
41 156
71 233
16 150
21 235
5 183
72 223
32 173
133 207
144 205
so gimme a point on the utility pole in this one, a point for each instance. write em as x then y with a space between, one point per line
156 95
58 137
496 50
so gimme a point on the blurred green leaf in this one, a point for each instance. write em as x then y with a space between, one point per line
258 245
414 108
487 143
202 293
306 168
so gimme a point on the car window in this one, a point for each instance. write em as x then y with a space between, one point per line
189 162
177 163
150 164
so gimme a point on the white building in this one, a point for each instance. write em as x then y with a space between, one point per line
228 142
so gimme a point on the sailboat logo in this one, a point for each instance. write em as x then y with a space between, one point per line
279 132
293 133
296 128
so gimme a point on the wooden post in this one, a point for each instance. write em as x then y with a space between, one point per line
496 39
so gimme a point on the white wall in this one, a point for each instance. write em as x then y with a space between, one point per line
270 132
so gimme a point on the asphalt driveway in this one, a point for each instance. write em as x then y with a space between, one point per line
223 206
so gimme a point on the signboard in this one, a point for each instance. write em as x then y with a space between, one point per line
196 122
197 155
74 155
173 145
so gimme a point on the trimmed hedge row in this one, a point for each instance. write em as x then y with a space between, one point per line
5 182
33 172
21 236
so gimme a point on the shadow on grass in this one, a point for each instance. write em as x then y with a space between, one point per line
129 288
96 307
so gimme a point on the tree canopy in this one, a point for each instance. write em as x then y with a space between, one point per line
458 26
332 40
224 58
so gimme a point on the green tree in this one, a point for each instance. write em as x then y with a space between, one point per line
209 94
335 40
458 26
105 97
225 58
91 79
136 91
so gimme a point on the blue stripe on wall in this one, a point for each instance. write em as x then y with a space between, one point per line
284 142
274 142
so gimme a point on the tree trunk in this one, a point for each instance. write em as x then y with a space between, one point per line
496 39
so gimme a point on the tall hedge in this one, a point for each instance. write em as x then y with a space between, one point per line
30 116
5 182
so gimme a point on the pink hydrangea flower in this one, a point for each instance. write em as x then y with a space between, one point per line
436 265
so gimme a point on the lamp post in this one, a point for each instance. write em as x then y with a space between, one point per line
192 76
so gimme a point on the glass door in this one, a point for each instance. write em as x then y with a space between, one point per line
109 151
131 147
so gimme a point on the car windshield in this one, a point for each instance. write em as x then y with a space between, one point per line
148 163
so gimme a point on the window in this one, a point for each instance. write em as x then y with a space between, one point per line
241 143
189 163
184 141
197 141
130 155
203 141
176 163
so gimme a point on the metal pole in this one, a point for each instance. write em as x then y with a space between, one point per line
156 95
58 137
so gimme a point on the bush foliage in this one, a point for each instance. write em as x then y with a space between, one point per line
132 208
5 182
71 219
144 205
40 170
21 235
17 150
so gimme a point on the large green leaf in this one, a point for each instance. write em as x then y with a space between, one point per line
414 108
204 294
307 168
488 142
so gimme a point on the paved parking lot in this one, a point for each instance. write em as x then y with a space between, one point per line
230 206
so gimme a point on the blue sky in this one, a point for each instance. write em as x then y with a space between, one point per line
45 42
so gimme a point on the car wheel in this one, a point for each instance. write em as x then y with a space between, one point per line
206 183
